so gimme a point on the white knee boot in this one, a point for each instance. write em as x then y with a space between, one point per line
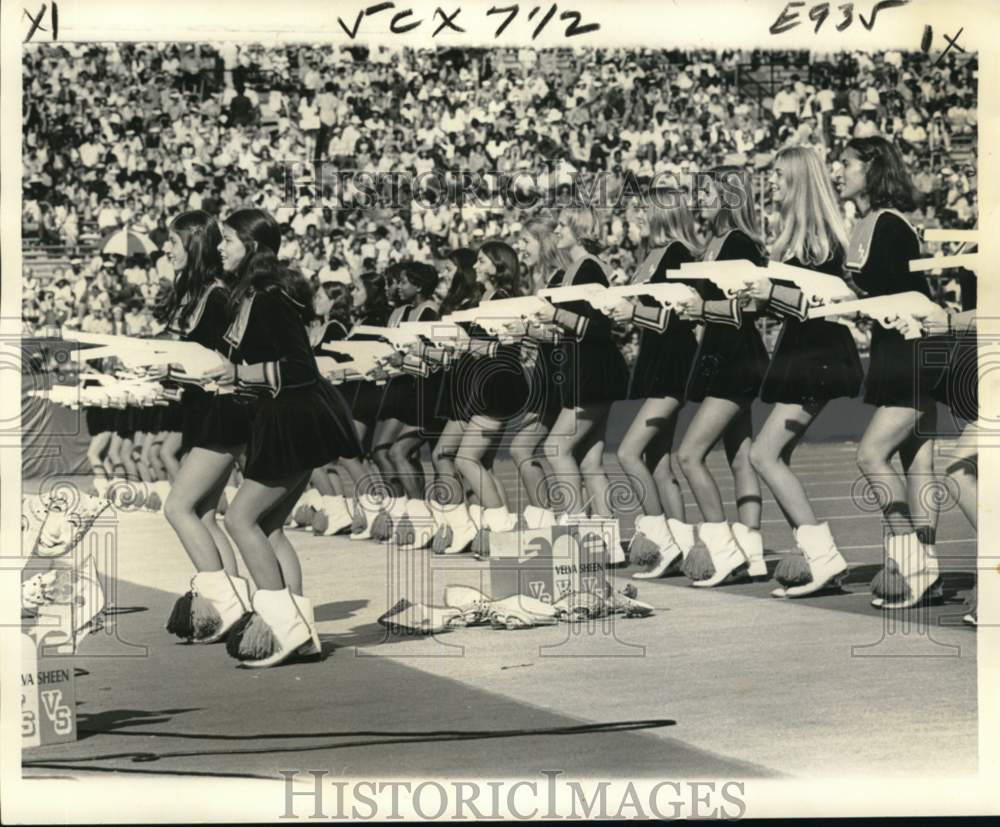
724 551
918 568
827 566
422 523
653 544
463 528
305 509
752 545
290 631
536 517
333 516
367 509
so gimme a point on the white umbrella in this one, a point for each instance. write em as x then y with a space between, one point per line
128 242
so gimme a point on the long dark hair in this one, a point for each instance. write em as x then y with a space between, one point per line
887 181
504 258
261 236
375 310
298 287
199 233
462 289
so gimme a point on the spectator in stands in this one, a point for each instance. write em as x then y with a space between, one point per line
106 141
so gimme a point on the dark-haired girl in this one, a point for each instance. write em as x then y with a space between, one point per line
412 399
378 404
299 422
490 387
461 292
332 305
214 429
901 374
725 379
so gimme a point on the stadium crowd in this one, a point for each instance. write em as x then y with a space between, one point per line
130 135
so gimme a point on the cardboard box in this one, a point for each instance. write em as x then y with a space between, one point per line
547 563
48 695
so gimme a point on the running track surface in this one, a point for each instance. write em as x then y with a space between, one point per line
720 683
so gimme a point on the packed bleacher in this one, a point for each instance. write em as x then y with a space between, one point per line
129 135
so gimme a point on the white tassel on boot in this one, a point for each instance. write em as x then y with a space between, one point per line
334 513
655 529
370 507
727 558
918 567
291 634
827 565
752 545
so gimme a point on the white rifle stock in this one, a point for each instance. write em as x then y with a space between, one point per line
398 337
195 360
960 259
590 293
944 234
494 315
819 288
666 294
362 356
882 309
731 276
970 260
441 331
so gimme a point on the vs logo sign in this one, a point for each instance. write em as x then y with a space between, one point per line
59 713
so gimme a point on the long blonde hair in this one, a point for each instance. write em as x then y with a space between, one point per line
670 220
741 216
550 257
812 227
587 226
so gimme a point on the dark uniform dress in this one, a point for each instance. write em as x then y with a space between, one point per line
667 344
453 398
420 408
363 396
901 373
492 379
731 360
402 399
211 419
100 419
300 421
815 360
589 368
543 366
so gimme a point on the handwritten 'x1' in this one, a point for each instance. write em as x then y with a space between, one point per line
952 41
